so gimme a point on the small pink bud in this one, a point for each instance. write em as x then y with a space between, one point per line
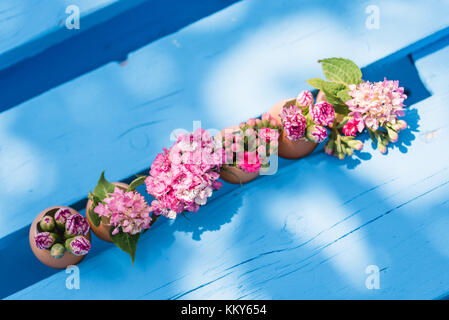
382 148
355 144
274 123
328 150
258 122
402 124
242 124
266 117
251 122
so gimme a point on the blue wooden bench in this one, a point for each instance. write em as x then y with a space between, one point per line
309 231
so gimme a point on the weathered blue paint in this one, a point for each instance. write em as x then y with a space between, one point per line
307 232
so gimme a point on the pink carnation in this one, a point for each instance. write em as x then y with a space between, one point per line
316 134
76 225
249 162
293 122
352 126
322 113
377 103
126 210
305 99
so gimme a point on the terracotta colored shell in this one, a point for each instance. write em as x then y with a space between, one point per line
287 148
103 230
44 255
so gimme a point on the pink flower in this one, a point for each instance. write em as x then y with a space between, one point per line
249 162
316 134
44 240
293 122
322 113
76 225
78 246
305 98
377 103
183 177
126 210
352 126
268 134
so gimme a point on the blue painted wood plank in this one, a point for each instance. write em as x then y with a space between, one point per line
29 27
106 35
296 236
217 70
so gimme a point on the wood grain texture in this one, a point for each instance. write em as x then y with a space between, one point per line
307 232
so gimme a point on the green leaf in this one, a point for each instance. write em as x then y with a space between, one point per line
344 95
136 182
94 217
341 70
126 242
316 83
333 88
103 188
341 108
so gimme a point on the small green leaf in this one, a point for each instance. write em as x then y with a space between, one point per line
126 242
103 188
94 217
136 182
341 109
344 95
333 88
316 83
341 70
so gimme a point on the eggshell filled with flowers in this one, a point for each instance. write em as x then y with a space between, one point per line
288 148
43 254
103 231
234 174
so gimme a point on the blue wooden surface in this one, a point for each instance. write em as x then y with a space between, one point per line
307 232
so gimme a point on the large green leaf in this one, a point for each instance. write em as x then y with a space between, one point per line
103 188
341 70
126 242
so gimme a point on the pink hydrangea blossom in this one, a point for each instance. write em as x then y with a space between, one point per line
352 126
126 210
293 122
249 161
305 99
184 177
322 113
377 103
